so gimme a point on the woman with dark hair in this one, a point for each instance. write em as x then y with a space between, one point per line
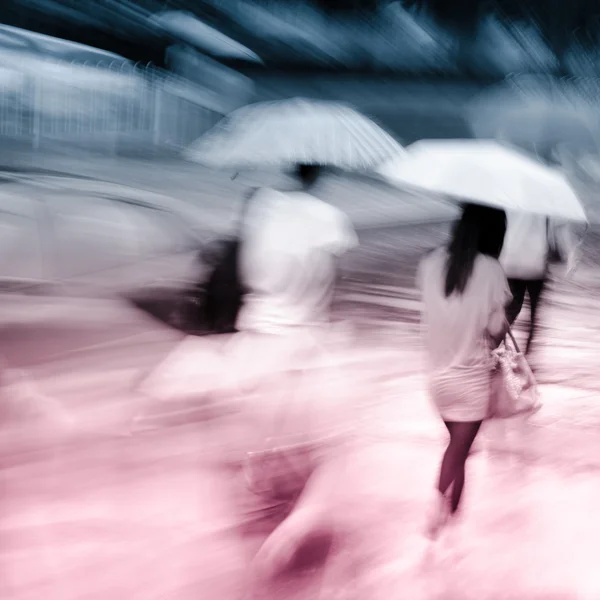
465 294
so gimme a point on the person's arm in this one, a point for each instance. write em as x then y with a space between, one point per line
497 326
500 298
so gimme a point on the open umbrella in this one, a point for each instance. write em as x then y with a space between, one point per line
287 132
488 173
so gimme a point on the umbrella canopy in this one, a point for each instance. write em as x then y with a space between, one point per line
537 126
288 132
487 173
197 33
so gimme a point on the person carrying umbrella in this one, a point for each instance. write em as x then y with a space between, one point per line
290 243
464 289
532 242
465 294
290 248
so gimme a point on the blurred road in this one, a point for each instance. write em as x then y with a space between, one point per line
90 512
94 512
157 515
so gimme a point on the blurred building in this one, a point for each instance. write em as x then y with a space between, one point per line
232 88
196 52
21 43
67 96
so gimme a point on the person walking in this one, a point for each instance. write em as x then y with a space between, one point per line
290 248
532 243
465 293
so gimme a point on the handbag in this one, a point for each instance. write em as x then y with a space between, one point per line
514 388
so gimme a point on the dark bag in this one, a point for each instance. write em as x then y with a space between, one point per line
223 292
220 298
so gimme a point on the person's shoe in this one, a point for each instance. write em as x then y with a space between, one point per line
440 513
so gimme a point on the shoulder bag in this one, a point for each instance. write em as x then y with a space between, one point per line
514 388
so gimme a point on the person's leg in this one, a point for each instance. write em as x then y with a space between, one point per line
310 517
452 472
517 288
534 289
441 509
448 460
464 435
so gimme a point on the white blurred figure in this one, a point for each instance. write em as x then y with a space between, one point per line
291 245
278 367
532 243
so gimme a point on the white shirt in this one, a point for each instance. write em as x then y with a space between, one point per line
526 245
456 327
288 260
525 251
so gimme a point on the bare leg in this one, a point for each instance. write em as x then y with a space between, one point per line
458 486
452 472
441 509
464 435
447 467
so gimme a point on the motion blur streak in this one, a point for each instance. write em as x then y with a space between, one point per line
114 488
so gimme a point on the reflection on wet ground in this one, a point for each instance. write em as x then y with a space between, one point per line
157 515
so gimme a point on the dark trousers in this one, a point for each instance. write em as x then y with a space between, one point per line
534 288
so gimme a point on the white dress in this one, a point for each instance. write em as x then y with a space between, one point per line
283 356
289 260
456 334
292 241
525 250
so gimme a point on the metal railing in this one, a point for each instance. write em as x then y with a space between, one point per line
105 107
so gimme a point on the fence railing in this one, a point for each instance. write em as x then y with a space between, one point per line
105 107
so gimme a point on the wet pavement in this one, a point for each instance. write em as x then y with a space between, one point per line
156 515
90 512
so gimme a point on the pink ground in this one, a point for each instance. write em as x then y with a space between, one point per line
88 512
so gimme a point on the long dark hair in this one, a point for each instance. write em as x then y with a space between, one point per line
480 230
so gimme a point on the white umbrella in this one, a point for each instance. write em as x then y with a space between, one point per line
287 132
487 173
